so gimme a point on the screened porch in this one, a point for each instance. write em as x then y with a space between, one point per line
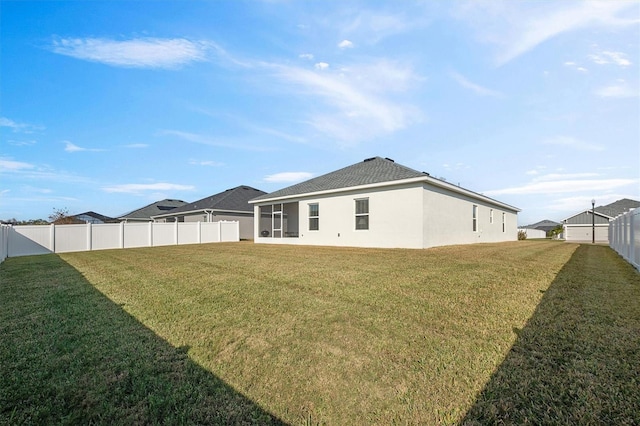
279 220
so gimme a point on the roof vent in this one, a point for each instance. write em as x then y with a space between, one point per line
369 159
387 158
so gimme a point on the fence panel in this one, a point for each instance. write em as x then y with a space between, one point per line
164 234
209 232
42 239
625 233
188 233
136 235
229 231
4 241
105 236
71 238
30 239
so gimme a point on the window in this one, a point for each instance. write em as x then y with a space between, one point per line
475 218
362 213
504 222
314 217
491 216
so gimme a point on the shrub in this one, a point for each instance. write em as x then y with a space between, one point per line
522 235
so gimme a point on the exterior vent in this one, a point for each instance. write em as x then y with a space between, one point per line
387 158
369 159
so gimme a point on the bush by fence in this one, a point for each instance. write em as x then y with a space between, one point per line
624 236
41 239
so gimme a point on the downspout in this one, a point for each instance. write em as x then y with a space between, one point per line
209 213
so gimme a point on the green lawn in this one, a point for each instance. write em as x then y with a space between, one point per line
524 332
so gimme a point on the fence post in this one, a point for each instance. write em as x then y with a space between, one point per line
219 231
89 236
52 238
199 232
176 232
151 234
122 234
632 238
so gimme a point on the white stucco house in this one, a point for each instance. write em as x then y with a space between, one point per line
380 203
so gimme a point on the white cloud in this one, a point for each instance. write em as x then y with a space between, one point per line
212 140
479 90
308 56
136 188
70 147
19 127
206 163
345 44
7 165
617 90
607 57
134 53
321 66
573 143
375 25
354 103
519 27
288 177
575 66
563 184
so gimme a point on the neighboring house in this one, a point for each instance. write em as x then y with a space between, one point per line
232 204
544 225
144 214
532 232
379 203
579 227
539 229
93 217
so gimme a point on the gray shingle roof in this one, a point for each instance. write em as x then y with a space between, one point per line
234 199
618 207
370 171
159 207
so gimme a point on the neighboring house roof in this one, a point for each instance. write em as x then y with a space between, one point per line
98 216
545 225
374 171
618 207
145 213
607 212
232 200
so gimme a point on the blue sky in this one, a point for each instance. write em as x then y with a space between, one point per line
109 106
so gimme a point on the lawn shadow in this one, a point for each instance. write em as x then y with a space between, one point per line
577 359
69 355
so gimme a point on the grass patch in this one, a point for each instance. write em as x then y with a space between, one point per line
244 333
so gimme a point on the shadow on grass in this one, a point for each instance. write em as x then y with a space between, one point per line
577 360
69 355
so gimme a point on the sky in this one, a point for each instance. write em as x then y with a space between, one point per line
108 106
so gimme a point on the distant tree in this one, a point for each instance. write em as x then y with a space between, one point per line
61 217
555 231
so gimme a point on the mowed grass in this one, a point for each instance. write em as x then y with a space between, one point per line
524 332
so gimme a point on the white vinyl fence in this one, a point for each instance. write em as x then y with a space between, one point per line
40 239
4 241
624 236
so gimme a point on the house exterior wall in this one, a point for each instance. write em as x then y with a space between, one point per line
413 215
448 219
395 219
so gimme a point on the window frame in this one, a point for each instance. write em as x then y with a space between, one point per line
361 214
314 218
474 218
